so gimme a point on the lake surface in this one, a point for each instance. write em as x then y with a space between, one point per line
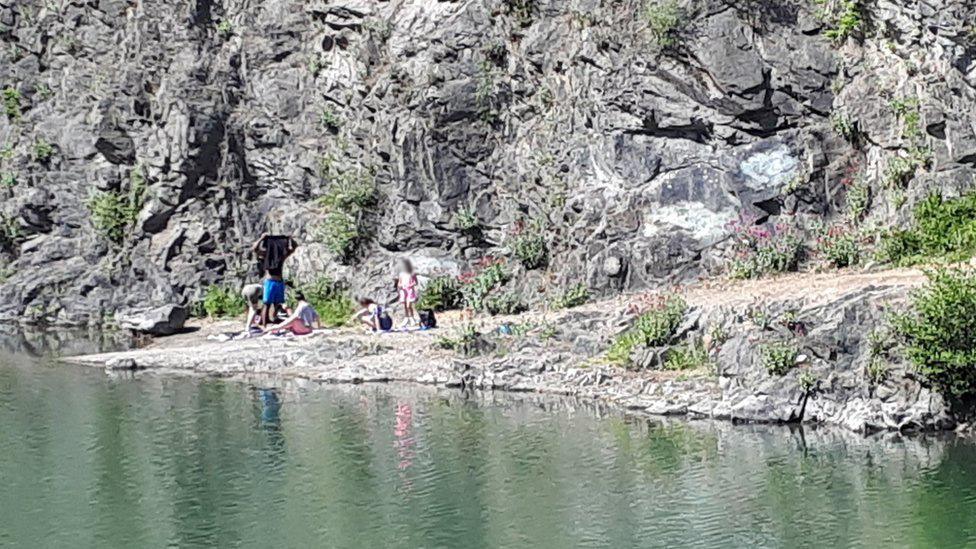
89 459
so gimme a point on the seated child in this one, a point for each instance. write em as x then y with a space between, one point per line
302 321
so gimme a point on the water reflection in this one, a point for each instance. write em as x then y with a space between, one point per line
147 461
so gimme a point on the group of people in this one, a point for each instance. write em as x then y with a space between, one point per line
268 312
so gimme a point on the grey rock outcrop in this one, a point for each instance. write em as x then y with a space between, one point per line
215 121
158 321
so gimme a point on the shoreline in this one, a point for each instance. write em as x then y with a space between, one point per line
560 352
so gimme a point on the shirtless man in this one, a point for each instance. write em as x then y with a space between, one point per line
272 251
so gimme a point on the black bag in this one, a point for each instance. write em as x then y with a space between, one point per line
385 321
427 319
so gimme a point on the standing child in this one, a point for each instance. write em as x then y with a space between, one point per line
407 290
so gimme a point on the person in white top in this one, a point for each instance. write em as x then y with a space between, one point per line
302 321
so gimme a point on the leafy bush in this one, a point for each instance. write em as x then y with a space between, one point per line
8 179
505 304
844 125
11 102
528 244
899 171
664 19
573 297
807 381
441 293
654 328
943 229
778 358
761 250
858 198
690 356
346 203
42 150
937 332
841 246
225 28
330 301
222 302
465 341
478 285
114 212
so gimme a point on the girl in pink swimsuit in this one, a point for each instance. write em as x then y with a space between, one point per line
407 290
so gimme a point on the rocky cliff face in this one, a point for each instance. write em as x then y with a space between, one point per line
146 144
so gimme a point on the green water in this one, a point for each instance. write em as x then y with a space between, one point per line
92 460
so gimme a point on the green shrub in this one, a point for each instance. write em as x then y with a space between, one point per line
857 199
505 304
841 246
654 328
475 288
778 358
876 370
664 20
9 232
689 356
807 381
465 340
114 212
222 302
937 332
528 244
346 203
42 150
844 18
11 102
573 297
225 28
8 179
466 221
942 229
844 126
908 110
330 301
441 293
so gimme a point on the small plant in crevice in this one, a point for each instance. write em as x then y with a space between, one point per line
9 232
42 150
466 221
936 332
522 10
857 199
441 293
573 297
844 126
876 370
653 328
763 249
843 18
8 179
778 358
527 243
329 119
807 381
840 245
11 102
225 28
665 20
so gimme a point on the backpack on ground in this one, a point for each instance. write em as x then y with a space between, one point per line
427 319
385 320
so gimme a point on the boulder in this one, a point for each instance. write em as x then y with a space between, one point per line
158 321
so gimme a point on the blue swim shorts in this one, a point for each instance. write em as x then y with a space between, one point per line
274 292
